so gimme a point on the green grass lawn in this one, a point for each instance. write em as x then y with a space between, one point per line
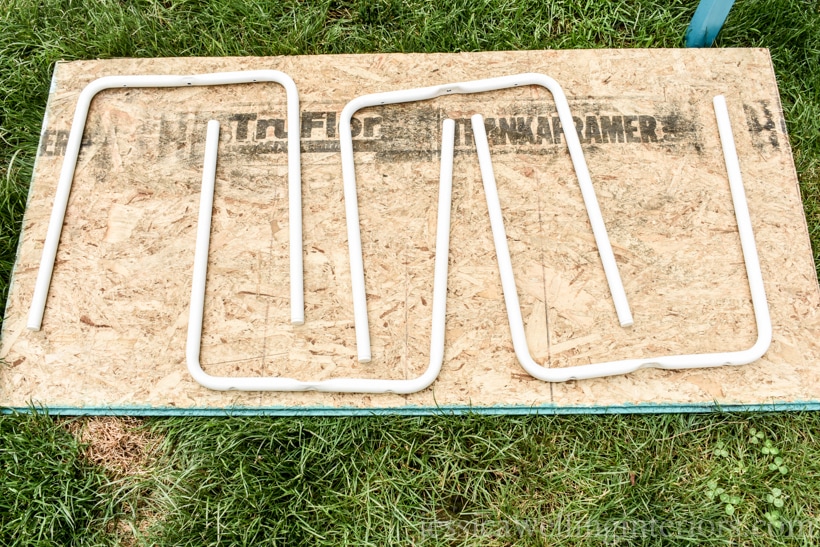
716 479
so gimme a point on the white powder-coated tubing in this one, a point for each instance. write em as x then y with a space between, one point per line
477 86
702 360
203 242
75 137
345 385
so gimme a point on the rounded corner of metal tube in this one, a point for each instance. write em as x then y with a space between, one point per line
285 80
422 382
539 78
100 84
201 377
352 106
761 345
419 384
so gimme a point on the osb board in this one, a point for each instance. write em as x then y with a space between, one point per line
114 331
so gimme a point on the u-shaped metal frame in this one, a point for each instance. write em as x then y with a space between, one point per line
477 86
75 136
348 385
611 368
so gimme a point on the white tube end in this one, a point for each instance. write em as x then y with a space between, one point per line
622 308
35 316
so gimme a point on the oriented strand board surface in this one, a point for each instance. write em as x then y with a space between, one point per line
114 329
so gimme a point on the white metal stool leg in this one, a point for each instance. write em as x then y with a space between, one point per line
477 86
72 152
349 385
701 360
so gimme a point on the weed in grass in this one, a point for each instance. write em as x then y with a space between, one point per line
778 465
756 436
728 500
720 450
773 516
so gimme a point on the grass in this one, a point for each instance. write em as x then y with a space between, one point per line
49 493
463 480
384 480
576 480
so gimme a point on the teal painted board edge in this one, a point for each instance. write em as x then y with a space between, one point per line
707 22
547 410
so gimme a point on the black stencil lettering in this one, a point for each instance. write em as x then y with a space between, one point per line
579 128
630 129
369 124
355 127
242 124
330 125
311 120
593 132
277 124
542 131
647 125
612 129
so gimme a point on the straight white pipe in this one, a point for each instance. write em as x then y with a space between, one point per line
55 225
610 368
502 250
345 385
744 224
203 238
477 86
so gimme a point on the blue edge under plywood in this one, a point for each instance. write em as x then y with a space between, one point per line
546 410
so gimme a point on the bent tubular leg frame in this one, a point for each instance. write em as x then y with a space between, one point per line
348 385
476 86
750 257
75 136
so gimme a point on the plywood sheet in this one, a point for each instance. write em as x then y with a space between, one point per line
114 330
